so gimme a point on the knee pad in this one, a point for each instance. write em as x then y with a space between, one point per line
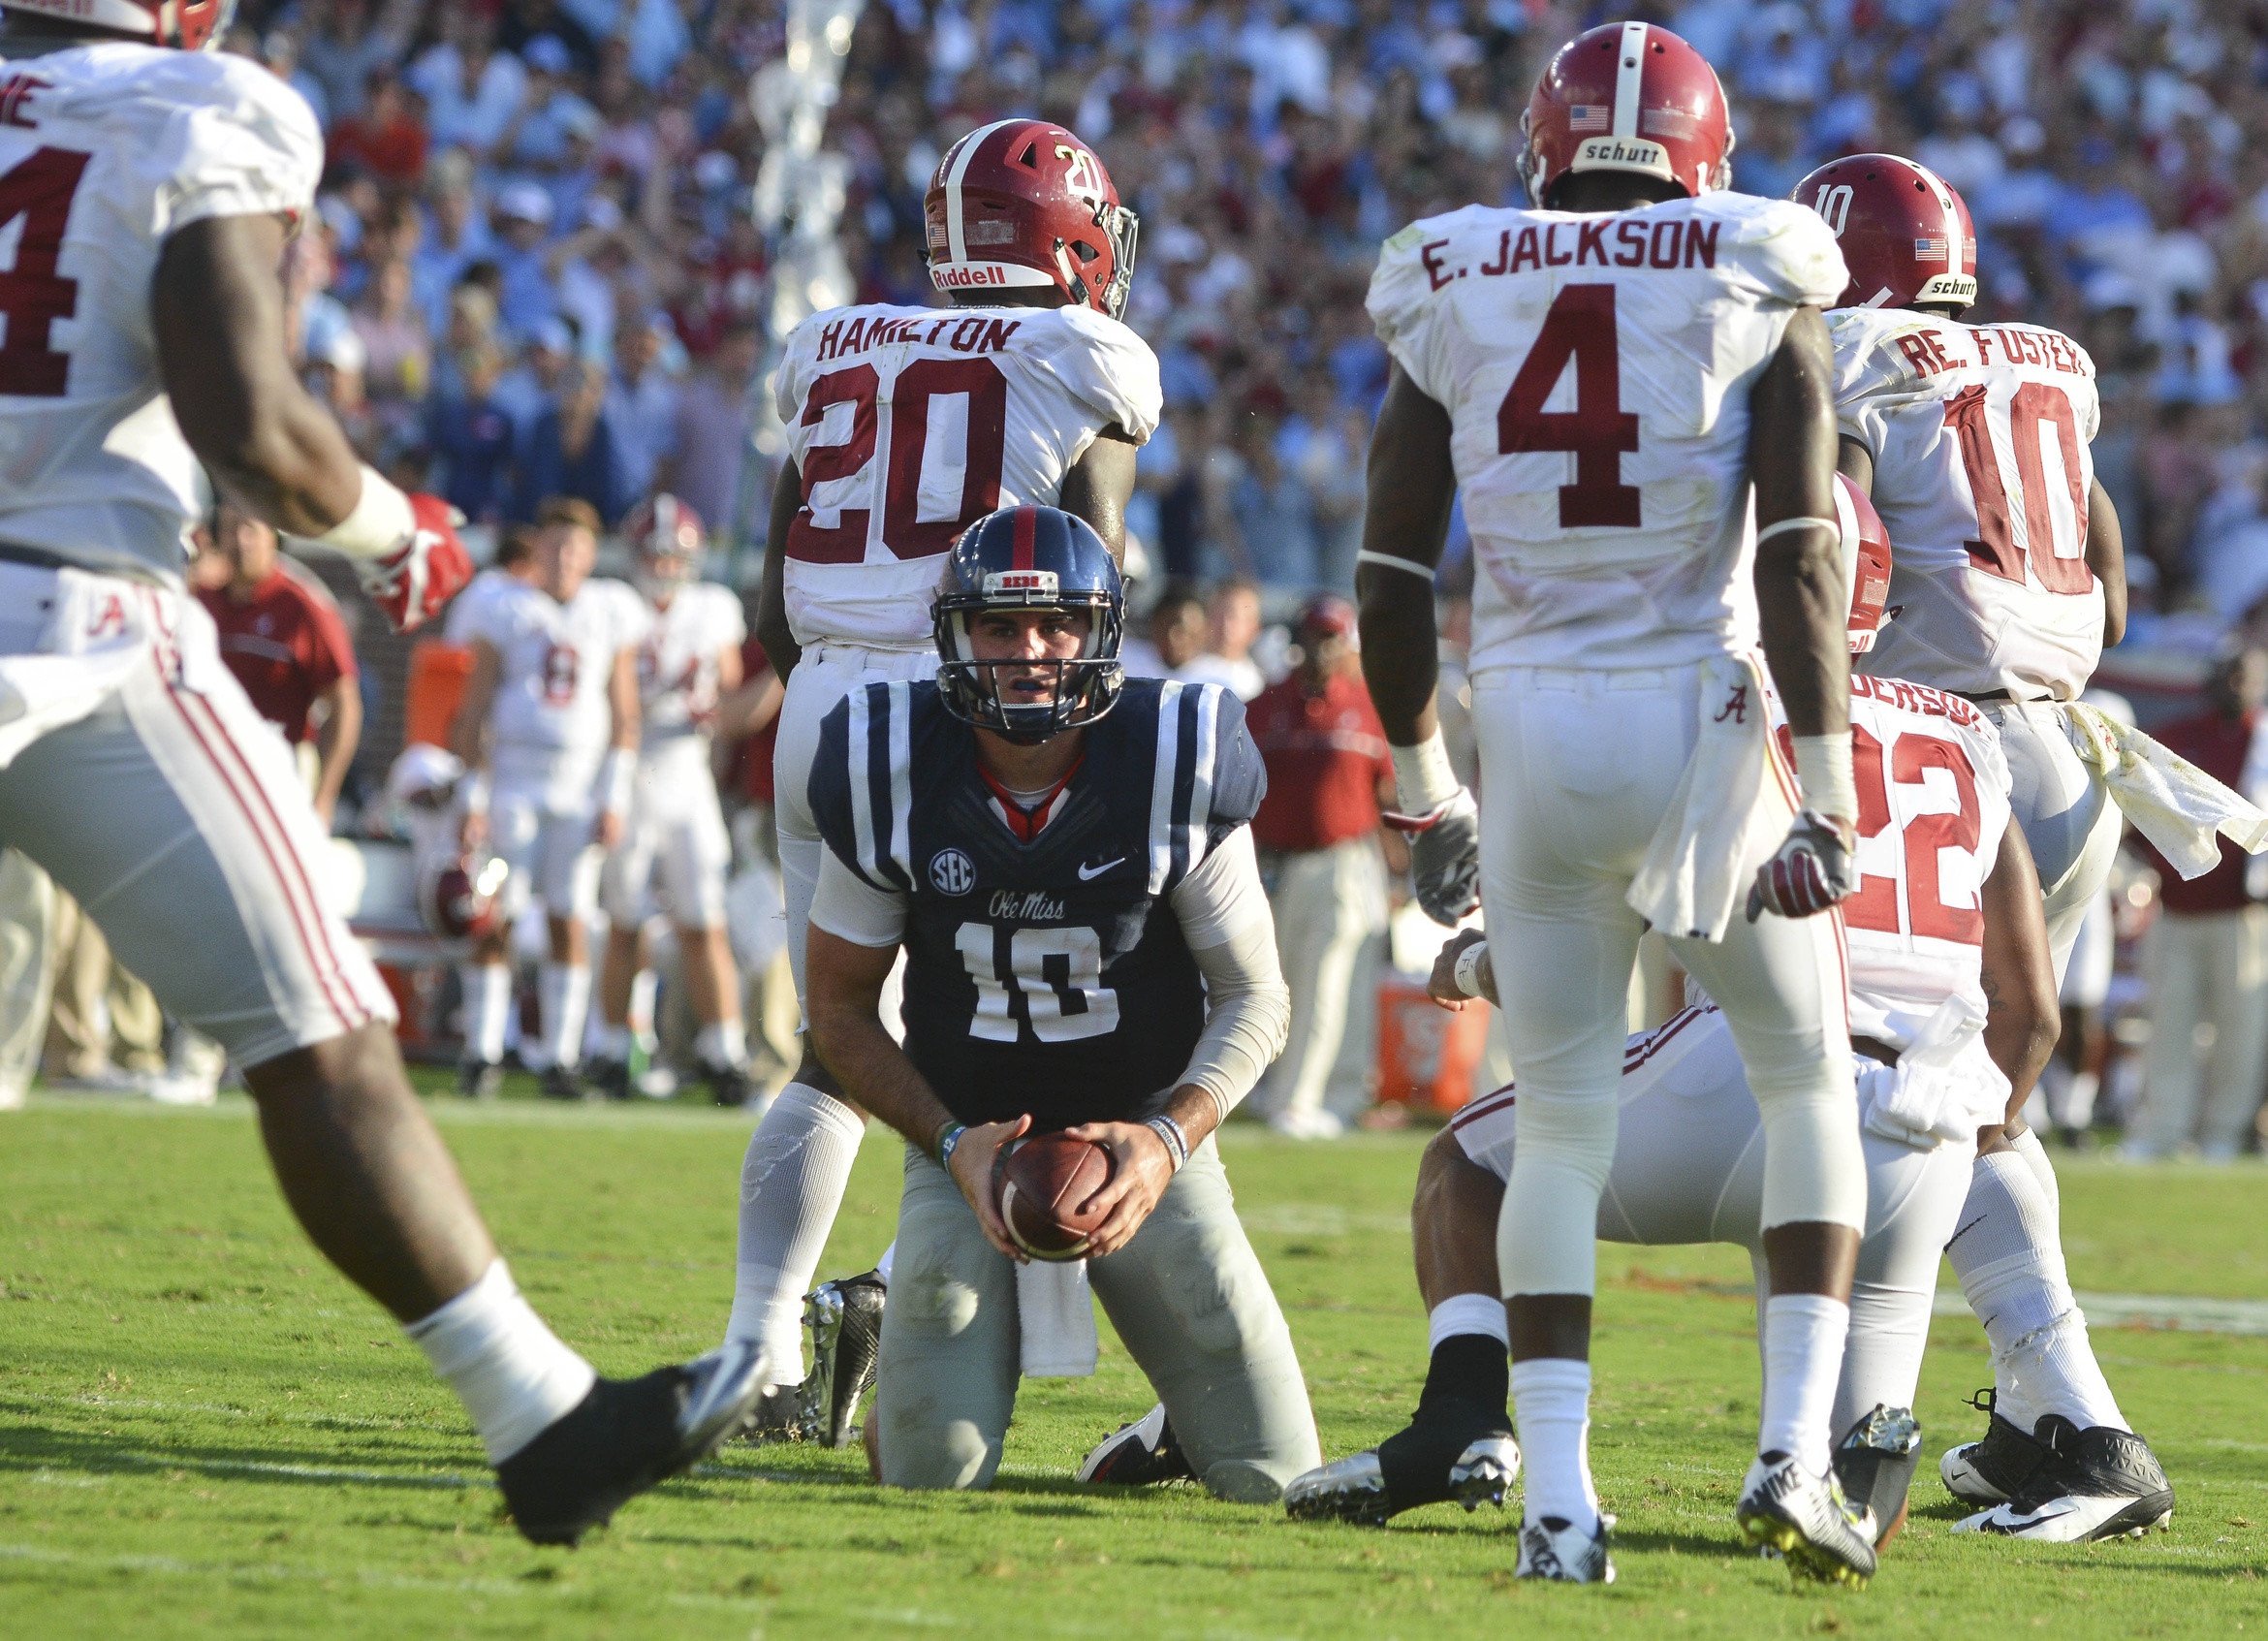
1547 1233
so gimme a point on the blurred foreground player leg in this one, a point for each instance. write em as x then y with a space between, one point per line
1617 702
203 871
1059 396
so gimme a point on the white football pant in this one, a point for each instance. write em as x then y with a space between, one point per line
1578 766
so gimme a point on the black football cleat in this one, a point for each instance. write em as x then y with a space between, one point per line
611 1078
564 1082
1875 1461
2094 1483
1458 1452
845 1319
729 1086
625 1436
1142 1454
479 1079
775 1417
1997 1469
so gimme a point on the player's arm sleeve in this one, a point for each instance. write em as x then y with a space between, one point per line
1410 322
1225 920
1240 779
850 908
237 142
1105 366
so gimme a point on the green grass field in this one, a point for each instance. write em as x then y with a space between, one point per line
205 1431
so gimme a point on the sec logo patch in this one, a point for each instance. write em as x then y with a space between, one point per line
952 871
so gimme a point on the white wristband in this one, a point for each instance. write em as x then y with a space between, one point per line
1422 781
1467 971
1823 771
381 521
614 777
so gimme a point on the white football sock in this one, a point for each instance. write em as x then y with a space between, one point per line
1550 1399
487 1004
725 1043
1804 1334
514 1375
2035 1157
613 1043
791 1184
2011 1270
564 988
2079 1098
1467 1313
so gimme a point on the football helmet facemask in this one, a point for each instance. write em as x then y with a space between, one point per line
1024 559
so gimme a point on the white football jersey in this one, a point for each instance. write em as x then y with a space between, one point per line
468 611
1979 435
551 720
104 151
676 662
910 423
1932 790
1596 371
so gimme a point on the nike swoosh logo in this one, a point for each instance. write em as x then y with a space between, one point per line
1087 875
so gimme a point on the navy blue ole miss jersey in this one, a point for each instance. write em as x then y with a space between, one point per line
1045 975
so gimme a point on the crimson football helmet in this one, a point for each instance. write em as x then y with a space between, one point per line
667 539
1022 201
1904 231
1627 97
1866 562
188 25
457 901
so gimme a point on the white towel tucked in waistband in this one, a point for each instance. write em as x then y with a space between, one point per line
1055 1309
2173 803
1944 1086
1731 809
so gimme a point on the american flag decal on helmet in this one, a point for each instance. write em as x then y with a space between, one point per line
1591 116
1930 250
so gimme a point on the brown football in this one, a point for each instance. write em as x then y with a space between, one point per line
1042 1186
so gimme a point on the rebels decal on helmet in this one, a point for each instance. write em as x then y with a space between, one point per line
1024 203
1904 234
1031 559
1627 97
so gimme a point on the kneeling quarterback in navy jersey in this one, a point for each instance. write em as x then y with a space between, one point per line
1063 856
